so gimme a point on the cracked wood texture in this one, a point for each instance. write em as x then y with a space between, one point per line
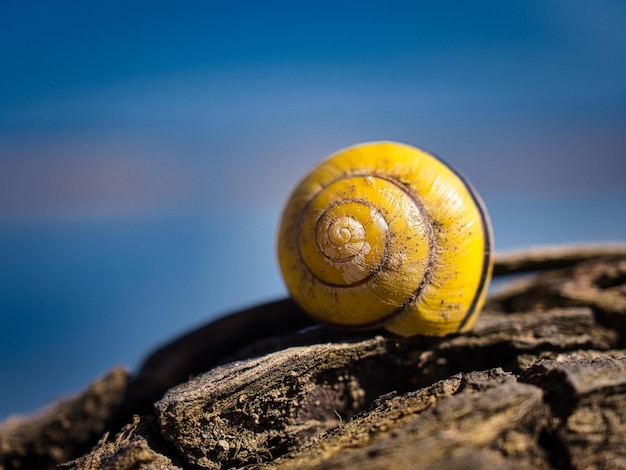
539 383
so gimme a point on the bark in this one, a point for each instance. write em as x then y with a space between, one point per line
539 383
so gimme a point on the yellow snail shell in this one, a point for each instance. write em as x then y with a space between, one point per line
385 234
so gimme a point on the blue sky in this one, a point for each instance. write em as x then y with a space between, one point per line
190 95
147 148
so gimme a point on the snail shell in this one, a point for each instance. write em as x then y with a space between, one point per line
385 234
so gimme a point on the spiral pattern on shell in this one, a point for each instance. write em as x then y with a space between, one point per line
384 234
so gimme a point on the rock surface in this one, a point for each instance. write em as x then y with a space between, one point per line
539 383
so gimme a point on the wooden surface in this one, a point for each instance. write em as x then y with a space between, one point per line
539 383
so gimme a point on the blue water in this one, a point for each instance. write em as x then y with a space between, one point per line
79 297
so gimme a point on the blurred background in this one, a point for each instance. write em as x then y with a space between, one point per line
147 149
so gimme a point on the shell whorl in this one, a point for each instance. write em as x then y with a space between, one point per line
369 238
349 233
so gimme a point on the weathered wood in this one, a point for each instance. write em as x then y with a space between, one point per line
588 401
569 414
247 411
204 347
539 383
207 346
253 411
480 419
66 429
598 284
541 258
133 448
